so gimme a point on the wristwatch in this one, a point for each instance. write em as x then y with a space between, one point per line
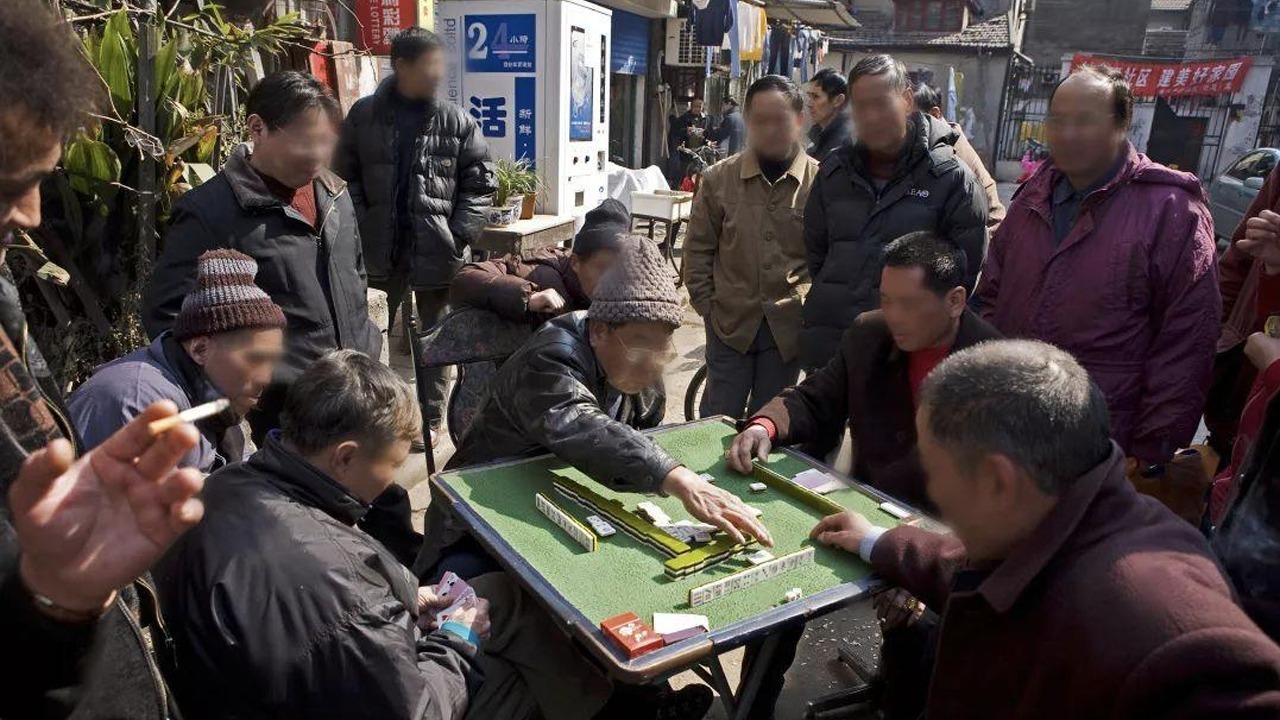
68 615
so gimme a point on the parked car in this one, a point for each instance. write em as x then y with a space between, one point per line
1231 192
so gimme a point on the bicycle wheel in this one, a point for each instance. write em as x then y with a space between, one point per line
693 395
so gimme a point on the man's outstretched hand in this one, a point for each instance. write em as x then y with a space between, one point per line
751 444
844 530
714 506
89 527
1262 239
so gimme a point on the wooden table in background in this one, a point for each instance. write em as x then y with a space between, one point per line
527 237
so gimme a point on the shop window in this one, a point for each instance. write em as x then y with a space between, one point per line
929 15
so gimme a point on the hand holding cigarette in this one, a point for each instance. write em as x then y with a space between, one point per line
191 415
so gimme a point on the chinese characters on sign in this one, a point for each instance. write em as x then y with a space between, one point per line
500 43
381 20
491 114
1210 77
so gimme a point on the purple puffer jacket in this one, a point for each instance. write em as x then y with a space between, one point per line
1132 292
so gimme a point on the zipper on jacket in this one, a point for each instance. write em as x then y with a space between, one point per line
324 250
147 652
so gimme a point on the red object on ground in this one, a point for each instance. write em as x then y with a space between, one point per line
631 634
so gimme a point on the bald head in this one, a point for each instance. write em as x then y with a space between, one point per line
1088 122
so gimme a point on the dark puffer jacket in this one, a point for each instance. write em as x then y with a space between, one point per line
451 178
553 397
847 225
315 275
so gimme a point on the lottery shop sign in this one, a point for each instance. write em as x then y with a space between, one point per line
1148 79
381 20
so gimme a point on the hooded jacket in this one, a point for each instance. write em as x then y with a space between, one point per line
450 185
315 274
1131 291
848 223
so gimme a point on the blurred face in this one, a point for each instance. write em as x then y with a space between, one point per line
774 126
822 107
239 364
421 77
967 503
366 472
916 315
695 107
880 111
590 270
20 186
295 153
1084 135
633 355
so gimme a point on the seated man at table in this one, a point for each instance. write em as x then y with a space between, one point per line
582 388
873 383
553 282
281 607
1064 593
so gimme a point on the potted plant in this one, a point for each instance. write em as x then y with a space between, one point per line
518 184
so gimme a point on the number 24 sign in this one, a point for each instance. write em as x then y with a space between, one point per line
501 43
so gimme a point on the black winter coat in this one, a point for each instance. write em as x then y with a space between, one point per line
824 141
317 277
552 397
847 225
280 607
452 181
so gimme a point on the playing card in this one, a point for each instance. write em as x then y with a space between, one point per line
460 599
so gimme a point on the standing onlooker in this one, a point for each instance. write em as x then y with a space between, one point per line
730 134
929 101
421 179
1110 256
901 175
744 254
73 545
225 343
1239 273
279 205
691 126
828 94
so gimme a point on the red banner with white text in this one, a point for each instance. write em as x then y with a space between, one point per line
1151 79
381 20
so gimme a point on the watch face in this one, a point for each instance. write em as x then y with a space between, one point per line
1272 326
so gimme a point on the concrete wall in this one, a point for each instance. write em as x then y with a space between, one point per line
979 96
1055 27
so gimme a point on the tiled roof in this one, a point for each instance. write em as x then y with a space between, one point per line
1170 4
993 33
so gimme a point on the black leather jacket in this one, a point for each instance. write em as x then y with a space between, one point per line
552 396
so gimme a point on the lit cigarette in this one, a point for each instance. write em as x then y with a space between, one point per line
198 412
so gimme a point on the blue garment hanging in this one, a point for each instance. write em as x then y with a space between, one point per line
735 53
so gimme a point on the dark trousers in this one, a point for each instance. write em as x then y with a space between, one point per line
432 306
739 384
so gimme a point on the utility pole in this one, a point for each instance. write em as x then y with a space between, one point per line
148 39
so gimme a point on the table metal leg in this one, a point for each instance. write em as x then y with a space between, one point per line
712 672
750 684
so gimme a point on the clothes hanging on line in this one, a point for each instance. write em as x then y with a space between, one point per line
735 58
780 51
711 22
753 27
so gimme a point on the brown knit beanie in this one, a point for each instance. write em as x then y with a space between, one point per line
226 298
640 287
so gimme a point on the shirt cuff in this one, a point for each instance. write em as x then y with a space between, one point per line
768 426
869 542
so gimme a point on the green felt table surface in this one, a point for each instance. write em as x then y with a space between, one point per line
624 575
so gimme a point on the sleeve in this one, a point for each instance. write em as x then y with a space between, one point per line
347 160
97 412
1235 264
1186 309
815 229
700 243
965 222
475 187
801 413
492 286
987 294
558 411
174 274
1222 673
406 675
920 562
47 655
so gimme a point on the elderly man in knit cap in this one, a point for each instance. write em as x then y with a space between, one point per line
551 283
583 387
225 343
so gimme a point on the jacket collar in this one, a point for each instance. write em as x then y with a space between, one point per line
1006 583
1038 191
751 165
305 483
250 190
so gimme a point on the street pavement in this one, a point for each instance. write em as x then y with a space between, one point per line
816 670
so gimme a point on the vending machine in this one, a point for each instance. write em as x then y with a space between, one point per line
535 76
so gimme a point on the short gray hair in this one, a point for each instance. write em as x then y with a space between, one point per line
1023 399
347 395
886 65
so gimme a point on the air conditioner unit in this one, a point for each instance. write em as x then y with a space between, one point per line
682 50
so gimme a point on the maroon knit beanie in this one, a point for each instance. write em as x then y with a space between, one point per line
226 298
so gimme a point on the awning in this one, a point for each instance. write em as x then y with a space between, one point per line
653 9
819 13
